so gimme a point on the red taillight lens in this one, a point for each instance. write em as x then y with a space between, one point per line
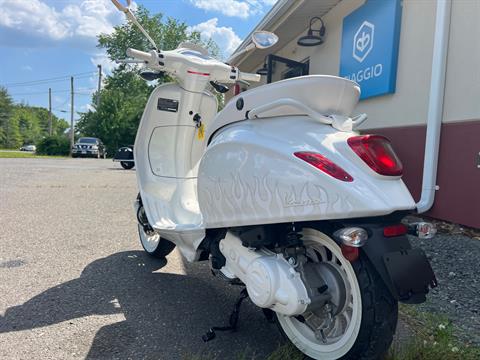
377 152
394 230
322 163
350 253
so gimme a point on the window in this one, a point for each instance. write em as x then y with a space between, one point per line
280 68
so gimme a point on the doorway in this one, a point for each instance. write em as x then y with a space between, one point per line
280 68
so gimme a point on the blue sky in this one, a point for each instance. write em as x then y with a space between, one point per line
45 39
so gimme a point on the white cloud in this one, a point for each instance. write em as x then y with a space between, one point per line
27 68
226 7
103 59
34 22
225 37
269 2
234 8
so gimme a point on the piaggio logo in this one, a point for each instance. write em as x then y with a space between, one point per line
363 41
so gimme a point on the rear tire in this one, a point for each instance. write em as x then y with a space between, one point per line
370 320
127 165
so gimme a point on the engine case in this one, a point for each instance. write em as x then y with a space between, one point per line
270 280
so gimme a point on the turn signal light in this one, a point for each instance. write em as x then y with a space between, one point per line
424 230
377 152
352 236
394 230
324 164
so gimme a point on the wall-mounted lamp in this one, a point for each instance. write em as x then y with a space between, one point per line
263 70
313 37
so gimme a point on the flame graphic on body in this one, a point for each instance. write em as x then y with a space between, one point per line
252 200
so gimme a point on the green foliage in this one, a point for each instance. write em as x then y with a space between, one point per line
9 154
22 124
54 145
167 35
435 338
9 130
115 120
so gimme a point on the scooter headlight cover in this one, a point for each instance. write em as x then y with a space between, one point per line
324 164
377 152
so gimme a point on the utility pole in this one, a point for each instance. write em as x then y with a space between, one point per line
72 133
50 111
99 84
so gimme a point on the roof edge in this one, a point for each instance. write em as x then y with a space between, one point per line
275 13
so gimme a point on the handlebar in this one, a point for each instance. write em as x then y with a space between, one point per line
141 55
249 77
179 64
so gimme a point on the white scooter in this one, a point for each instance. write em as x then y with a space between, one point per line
281 195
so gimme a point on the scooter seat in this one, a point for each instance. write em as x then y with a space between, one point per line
325 94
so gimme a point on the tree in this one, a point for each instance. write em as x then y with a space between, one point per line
116 120
166 35
5 111
54 145
9 131
28 124
125 94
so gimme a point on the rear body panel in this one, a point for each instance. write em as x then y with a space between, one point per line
250 176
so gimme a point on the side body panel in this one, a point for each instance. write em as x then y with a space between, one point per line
167 151
249 176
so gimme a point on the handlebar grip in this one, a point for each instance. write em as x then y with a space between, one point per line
141 55
249 77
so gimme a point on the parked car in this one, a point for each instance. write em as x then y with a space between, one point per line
124 155
89 147
31 148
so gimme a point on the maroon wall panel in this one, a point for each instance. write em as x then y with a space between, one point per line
458 199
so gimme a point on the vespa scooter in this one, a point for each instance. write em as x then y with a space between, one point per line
280 194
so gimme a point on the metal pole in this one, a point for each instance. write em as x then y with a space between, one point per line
99 84
50 111
72 133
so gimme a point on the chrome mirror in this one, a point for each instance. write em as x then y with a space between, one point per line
264 39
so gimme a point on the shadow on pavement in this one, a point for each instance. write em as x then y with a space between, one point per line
166 314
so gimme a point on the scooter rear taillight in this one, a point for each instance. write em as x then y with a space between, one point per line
377 152
324 164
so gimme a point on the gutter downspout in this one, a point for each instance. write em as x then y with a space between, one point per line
435 105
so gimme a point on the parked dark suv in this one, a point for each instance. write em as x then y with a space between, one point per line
89 147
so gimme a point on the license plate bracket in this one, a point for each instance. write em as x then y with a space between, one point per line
410 272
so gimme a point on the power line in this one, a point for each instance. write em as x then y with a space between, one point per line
52 79
49 82
43 92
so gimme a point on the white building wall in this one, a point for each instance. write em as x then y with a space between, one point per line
462 92
408 105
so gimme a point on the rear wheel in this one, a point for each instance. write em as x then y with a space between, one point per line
127 165
361 319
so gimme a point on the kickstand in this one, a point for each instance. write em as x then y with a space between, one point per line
233 321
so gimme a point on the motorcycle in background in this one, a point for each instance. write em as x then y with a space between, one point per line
124 156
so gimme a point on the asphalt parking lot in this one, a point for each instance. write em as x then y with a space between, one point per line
74 282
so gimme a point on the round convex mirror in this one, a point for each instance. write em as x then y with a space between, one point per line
264 39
